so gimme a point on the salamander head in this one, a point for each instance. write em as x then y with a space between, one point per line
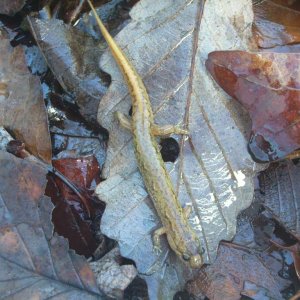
194 261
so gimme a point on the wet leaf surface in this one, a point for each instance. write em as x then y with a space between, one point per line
70 217
62 47
169 50
10 7
214 171
267 85
22 109
276 24
33 260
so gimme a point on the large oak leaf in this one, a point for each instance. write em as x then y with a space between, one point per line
213 173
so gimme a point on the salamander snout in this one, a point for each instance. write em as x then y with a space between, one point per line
194 261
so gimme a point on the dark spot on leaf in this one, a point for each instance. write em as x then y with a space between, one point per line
130 111
169 150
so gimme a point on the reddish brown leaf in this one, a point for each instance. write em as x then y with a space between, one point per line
267 85
70 216
34 262
275 24
22 109
225 279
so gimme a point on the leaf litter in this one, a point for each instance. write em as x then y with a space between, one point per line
18 95
62 47
32 258
250 288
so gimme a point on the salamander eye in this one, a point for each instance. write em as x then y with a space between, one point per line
185 256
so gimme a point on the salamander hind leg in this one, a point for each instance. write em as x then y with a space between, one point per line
156 239
125 122
167 130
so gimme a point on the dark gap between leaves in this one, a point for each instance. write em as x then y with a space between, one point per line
137 289
169 149
283 234
182 295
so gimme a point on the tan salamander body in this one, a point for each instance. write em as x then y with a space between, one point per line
181 237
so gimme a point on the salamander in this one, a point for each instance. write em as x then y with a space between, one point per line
180 235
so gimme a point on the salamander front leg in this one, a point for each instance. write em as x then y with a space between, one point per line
156 239
167 130
125 122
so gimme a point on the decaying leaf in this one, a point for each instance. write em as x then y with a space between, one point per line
11 7
70 215
22 108
73 58
213 173
281 193
34 262
233 268
276 25
268 86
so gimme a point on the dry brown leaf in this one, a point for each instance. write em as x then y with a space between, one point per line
22 108
33 260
